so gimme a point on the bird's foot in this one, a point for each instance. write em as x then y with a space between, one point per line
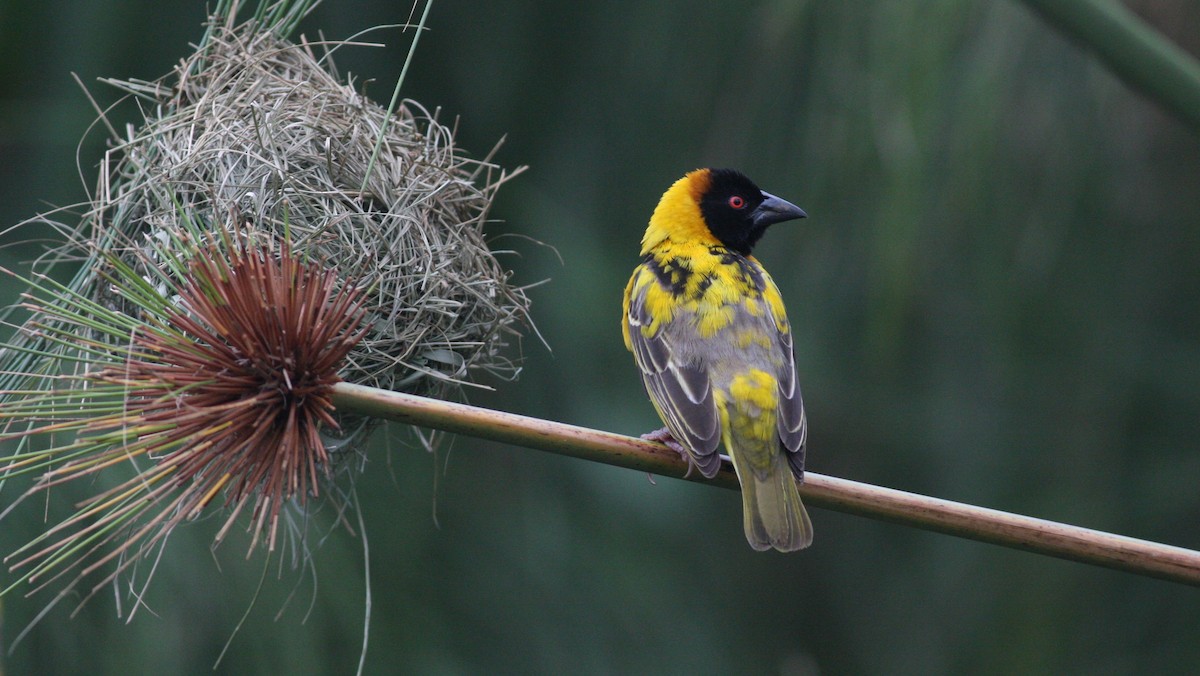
663 436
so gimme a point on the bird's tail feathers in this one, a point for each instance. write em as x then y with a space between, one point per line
771 507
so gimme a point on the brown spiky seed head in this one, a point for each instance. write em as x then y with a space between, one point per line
233 391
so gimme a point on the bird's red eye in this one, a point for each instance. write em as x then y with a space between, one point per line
737 202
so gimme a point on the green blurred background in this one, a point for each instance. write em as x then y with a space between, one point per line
995 301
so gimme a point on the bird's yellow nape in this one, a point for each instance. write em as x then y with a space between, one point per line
677 216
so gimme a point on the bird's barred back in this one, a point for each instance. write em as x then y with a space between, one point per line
708 282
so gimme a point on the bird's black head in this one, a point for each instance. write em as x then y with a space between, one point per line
738 213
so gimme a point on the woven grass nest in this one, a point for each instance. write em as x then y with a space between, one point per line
265 231
264 131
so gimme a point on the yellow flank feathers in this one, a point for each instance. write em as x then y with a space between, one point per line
708 329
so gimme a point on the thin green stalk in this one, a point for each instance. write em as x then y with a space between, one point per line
412 49
1132 49
977 523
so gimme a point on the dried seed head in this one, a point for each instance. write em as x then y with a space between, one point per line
226 393
258 343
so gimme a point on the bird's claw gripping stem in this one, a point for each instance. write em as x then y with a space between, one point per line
663 436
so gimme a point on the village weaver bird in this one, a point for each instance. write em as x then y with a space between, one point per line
707 327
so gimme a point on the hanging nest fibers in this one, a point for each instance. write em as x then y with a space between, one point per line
257 124
256 168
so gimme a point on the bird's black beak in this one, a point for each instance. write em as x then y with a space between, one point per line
775 210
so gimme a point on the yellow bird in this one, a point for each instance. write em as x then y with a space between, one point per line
707 327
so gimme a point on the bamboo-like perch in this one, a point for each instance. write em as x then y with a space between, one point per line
942 516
